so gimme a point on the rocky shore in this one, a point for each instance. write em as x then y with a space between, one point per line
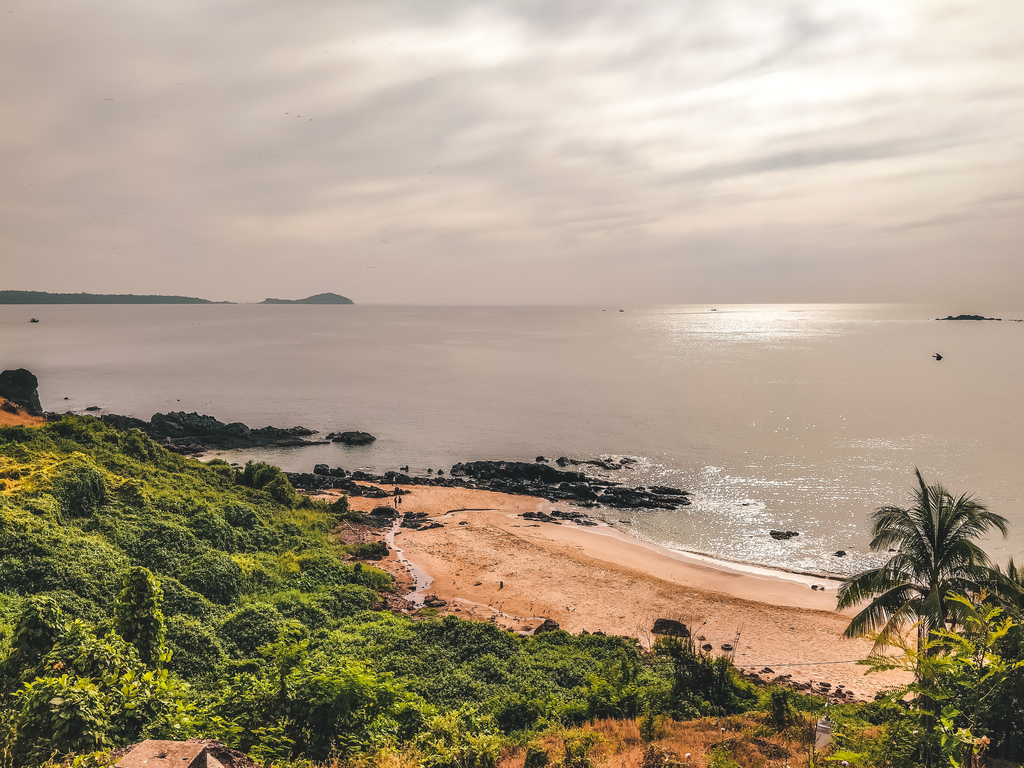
537 479
192 433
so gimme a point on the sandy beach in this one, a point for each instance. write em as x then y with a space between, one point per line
488 563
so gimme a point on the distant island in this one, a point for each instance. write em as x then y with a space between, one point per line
970 317
320 298
42 297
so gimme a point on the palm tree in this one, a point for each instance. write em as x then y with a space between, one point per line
936 557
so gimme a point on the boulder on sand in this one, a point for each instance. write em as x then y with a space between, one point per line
548 625
670 627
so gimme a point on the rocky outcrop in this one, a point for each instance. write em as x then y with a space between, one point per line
351 438
548 625
19 386
541 480
783 535
194 433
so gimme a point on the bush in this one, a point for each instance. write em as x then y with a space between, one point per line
80 488
267 477
138 617
195 648
211 527
179 599
214 575
460 739
60 715
248 629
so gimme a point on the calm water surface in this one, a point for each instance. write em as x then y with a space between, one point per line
797 417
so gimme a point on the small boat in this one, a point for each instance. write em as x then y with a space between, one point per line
34 320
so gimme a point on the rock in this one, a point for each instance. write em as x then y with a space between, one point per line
841 553
351 438
707 647
540 459
783 535
670 627
548 625
515 471
93 408
19 386
664 490
433 601
321 469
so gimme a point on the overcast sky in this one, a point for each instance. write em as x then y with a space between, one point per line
435 151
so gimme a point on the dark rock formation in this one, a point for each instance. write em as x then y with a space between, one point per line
19 386
351 438
548 625
969 317
670 627
185 431
784 535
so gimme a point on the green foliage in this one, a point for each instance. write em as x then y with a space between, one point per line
267 477
460 739
781 715
215 575
61 715
137 615
196 650
80 487
702 685
39 626
250 628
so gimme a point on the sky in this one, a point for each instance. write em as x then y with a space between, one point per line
533 152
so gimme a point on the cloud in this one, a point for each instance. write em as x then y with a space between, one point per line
243 149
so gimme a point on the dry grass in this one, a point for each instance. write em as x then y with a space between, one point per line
12 415
678 744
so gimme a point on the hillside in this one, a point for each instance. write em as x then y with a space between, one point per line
279 637
145 595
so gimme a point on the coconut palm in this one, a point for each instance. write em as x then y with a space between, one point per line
936 556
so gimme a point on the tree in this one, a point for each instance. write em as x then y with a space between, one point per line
936 557
137 615
936 560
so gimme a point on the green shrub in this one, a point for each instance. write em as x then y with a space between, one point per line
179 599
138 617
210 526
248 629
40 624
195 648
267 477
60 715
460 739
214 575
80 487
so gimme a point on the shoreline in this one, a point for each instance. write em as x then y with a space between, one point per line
484 562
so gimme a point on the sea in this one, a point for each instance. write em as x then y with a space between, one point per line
792 417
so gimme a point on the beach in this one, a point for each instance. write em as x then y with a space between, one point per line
487 563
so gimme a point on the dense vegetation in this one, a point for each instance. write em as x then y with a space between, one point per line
147 595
